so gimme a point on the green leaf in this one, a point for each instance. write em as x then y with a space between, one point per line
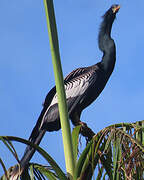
75 141
5 171
108 141
106 159
9 145
99 176
114 150
143 133
45 171
116 158
31 173
81 160
91 160
50 160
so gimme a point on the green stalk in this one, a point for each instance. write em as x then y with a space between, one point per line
66 132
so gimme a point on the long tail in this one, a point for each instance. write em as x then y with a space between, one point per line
35 137
37 134
30 151
18 170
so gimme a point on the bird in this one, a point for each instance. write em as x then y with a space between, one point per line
82 87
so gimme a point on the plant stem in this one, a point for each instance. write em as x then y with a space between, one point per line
66 132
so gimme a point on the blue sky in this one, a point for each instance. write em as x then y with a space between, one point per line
26 73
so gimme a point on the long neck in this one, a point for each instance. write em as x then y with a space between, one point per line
107 45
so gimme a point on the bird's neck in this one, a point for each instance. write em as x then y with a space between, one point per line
105 29
109 56
107 46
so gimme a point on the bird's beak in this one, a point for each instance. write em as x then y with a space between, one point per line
116 9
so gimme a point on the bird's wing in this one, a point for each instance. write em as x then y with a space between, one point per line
76 84
75 73
78 88
75 89
71 76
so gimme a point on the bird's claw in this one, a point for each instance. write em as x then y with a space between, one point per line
82 124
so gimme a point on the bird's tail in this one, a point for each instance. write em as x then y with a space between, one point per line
35 138
29 150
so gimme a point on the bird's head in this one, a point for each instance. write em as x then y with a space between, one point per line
115 8
106 25
111 13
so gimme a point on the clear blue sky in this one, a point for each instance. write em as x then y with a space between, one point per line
26 73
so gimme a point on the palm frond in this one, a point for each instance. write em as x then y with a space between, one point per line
117 152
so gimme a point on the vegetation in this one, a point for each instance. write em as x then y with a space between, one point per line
116 152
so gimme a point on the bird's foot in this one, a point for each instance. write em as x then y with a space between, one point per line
86 131
82 124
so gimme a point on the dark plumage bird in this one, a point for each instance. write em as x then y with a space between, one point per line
82 87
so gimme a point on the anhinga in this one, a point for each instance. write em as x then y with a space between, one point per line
82 87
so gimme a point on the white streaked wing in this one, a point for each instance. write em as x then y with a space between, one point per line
74 88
